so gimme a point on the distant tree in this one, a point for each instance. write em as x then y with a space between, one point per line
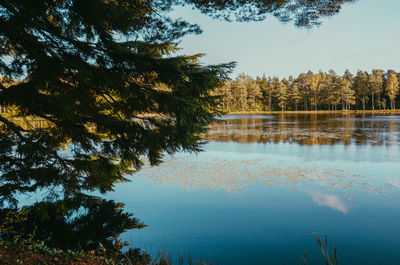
295 95
314 87
347 94
361 87
348 75
332 97
392 88
253 94
266 94
315 91
377 85
225 94
303 83
282 95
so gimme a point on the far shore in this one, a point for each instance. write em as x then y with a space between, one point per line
396 111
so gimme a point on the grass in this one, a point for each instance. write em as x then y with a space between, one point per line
35 253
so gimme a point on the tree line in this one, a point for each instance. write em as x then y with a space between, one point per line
378 90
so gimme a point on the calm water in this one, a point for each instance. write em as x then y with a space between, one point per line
266 187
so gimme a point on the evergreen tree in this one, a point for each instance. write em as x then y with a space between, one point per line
239 91
302 82
347 94
266 96
225 96
253 94
392 88
295 95
332 90
361 87
314 87
378 84
282 95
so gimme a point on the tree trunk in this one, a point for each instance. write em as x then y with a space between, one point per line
305 104
270 100
373 101
379 101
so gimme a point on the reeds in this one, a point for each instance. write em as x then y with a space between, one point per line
325 252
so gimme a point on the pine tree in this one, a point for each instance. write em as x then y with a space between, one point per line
253 94
302 82
282 95
347 94
314 86
361 87
392 88
265 88
295 95
377 84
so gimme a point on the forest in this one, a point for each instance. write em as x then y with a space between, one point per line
378 90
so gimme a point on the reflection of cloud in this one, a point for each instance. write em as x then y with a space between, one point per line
393 182
331 201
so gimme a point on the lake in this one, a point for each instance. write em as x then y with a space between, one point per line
267 186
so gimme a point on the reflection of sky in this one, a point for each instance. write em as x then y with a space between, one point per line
332 201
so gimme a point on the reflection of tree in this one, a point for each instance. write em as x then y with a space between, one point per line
84 223
307 129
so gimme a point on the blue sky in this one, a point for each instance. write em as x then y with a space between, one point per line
364 35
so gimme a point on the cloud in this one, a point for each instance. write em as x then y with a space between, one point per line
331 201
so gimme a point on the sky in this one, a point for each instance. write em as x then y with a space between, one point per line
365 35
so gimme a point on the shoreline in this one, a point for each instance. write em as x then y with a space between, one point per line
396 111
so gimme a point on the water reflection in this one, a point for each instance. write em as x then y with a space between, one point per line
264 183
332 201
235 174
80 223
308 129
355 165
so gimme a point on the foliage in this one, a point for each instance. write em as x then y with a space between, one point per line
312 91
33 253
